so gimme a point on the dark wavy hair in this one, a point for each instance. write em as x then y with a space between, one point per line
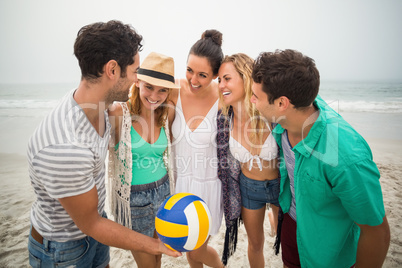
98 43
287 73
210 47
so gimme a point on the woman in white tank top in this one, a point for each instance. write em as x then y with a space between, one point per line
194 133
253 146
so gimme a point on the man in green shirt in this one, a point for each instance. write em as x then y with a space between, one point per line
330 191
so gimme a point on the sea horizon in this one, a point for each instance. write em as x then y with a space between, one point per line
373 108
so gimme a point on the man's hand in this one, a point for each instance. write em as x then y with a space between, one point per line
164 250
83 209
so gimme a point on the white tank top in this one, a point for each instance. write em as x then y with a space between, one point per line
268 151
195 151
196 162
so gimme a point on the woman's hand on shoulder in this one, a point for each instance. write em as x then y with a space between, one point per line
115 113
115 109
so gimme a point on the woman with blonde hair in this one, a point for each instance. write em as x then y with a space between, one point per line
139 151
245 142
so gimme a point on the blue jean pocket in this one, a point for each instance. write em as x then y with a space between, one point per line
144 205
71 255
142 218
34 261
63 254
35 252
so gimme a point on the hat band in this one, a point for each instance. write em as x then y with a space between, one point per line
156 74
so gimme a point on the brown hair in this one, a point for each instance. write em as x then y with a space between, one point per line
210 47
287 73
98 43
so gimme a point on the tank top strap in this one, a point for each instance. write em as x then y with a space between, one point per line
213 111
216 105
178 104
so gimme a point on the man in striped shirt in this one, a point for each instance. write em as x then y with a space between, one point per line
67 152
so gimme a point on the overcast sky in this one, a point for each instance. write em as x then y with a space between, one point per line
349 39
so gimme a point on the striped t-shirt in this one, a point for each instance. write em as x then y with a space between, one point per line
289 156
66 157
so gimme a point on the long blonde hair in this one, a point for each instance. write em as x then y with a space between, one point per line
244 66
135 106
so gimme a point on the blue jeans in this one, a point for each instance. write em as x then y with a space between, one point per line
145 200
85 252
255 194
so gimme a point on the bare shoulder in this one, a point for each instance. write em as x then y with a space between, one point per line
115 113
171 104
171 111
174 94
115 109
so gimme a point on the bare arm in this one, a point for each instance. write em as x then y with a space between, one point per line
373 245
115 118
83 210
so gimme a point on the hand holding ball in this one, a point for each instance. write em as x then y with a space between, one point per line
183 222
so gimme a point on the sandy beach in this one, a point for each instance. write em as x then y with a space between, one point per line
17 196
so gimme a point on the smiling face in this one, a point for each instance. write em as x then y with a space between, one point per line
199 73
152 96
231 84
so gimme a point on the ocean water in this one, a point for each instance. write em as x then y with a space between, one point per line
372 97
373 108
22 108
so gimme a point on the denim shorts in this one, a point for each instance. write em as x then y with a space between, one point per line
255 194
145 200
85 252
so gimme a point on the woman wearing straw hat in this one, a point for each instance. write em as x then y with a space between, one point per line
139 151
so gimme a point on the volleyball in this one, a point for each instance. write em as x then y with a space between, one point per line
183 222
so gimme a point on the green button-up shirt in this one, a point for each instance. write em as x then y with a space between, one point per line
336 186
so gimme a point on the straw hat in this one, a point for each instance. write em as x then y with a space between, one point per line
157 70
